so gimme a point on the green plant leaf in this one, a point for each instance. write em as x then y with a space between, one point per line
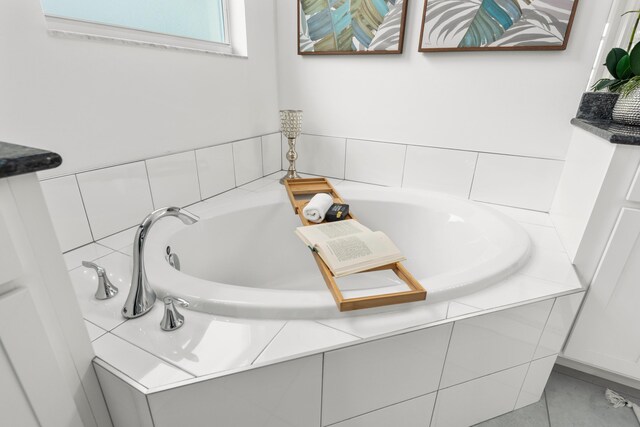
617 85
635 60
602 84
623 69
613 58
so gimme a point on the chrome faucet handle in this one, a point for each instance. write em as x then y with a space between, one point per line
106 289
172 319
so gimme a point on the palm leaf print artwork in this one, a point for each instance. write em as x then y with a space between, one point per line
496 24
350 26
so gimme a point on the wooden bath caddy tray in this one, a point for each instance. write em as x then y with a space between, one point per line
300 191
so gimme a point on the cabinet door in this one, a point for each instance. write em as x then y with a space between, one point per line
32 390
606 333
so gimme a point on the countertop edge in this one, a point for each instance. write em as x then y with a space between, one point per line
606 129
18 160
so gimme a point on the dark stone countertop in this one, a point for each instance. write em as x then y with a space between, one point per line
18 160
612 132
595 116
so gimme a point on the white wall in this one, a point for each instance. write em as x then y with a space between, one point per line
510 102
99 103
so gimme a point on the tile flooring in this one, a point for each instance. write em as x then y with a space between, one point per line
572 399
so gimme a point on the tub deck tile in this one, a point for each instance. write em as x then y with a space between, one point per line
205 344
212 345
390 321
302 336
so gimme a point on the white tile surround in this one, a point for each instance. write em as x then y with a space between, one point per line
423 343
115 198
523 182
174 179
86 210
100 203
217 351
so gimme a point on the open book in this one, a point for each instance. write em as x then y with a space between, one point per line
349 247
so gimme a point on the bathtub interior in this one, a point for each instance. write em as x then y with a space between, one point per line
256 247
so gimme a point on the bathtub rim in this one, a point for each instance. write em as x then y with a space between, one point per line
249 302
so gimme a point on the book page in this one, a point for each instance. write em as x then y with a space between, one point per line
315 234
349 248
359 252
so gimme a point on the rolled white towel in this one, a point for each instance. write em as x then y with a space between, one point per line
317 207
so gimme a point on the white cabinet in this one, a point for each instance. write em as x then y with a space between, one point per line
634 190
30 380
30 259
10 266
597 214
606 333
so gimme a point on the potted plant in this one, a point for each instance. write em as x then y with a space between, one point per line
624 67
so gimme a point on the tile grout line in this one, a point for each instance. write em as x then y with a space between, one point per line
383 407
337 329
262 154
84 207
113 234
310 134
534 353
146 169
148 352
473 177
195 157
344 168
546 322
146 398
233 158
152 158
439 148
521 208
119 371
262 175
521 387
95 372
404 167
483 376
444 363
268 344
546 406
322 387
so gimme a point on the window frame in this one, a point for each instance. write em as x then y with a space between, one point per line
61 25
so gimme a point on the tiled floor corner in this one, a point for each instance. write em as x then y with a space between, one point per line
570 402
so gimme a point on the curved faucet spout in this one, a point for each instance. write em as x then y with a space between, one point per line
141 296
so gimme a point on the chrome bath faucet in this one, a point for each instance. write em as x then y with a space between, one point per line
141 296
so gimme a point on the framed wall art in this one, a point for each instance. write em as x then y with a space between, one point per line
351 27
468 25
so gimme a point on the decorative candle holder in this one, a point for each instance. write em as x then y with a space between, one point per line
291 126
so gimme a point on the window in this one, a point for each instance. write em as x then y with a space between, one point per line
194 24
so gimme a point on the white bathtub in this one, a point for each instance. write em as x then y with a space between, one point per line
243 258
